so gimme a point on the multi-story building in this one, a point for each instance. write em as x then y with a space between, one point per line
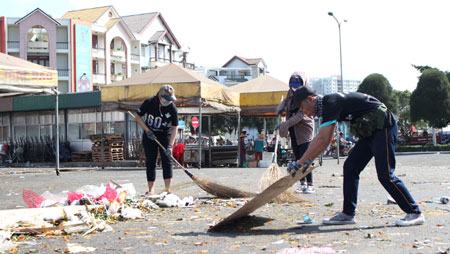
88 47
237 70
332 85
41 39
123 46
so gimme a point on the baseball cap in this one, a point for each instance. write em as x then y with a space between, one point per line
296 80
167 92
302 93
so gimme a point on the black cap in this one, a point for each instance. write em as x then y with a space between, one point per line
302 93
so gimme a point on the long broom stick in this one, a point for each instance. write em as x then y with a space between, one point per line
215 189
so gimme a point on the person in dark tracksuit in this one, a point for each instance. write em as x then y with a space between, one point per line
376 128
160 123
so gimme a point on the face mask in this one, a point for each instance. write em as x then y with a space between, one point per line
164 102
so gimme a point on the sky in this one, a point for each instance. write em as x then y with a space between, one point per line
382 36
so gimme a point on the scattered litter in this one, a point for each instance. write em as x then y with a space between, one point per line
77 248
313 250
444 200
329 204
390 201
278 242
5 241
131 213
171 200
307 219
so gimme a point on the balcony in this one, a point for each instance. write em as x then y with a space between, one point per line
63 73
62 45
99 78
116 77
98 52
13 45
118 55
136 59
38 46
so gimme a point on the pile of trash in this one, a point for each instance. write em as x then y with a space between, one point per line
86 210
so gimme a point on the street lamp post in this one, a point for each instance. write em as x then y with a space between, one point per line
341 86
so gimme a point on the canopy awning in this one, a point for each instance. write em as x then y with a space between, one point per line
18 76
190 87
260 96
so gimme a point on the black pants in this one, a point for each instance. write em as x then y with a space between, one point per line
299 150
380 145
151 151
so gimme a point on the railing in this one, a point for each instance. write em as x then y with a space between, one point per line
63 72
135 57
62 45
99 78
13 44
116 77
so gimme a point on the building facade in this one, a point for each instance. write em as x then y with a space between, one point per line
89 48
331 84
237 70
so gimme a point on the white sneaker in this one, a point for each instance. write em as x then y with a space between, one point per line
301 187
309 190
339 219
411 219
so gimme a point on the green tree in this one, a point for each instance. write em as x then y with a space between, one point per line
430 101
379 87
402 110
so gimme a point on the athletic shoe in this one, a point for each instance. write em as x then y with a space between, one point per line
301 187
309 190
339 219
411 219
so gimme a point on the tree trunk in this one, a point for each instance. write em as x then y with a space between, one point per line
433 130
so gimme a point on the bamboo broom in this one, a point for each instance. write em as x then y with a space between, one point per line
212 188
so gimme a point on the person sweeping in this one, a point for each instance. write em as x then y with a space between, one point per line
158 117
299 127
376 129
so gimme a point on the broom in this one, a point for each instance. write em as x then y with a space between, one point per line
272 174
212 188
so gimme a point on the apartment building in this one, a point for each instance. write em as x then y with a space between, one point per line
126 45
236 70
332 84
88 47
41 39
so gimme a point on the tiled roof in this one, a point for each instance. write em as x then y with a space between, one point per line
156 36
89 15
111 23
252 61
137 22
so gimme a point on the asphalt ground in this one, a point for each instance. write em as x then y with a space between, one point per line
270 228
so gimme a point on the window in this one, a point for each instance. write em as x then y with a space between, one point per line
94 41
143 49
4 127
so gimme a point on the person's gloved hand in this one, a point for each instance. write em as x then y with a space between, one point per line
293 166
150 135
169 151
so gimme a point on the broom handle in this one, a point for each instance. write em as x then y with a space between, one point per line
275 154
164 149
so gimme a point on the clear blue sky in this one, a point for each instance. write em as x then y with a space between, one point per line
381 36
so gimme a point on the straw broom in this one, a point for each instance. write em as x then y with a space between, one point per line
212 188
272 174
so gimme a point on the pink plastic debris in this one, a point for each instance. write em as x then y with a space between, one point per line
74 196
31 198
312 250
110 194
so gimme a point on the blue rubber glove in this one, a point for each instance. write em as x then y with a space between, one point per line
150 135
169 151
293 166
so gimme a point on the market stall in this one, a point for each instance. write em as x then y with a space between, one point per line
20 77
196 96
260 96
